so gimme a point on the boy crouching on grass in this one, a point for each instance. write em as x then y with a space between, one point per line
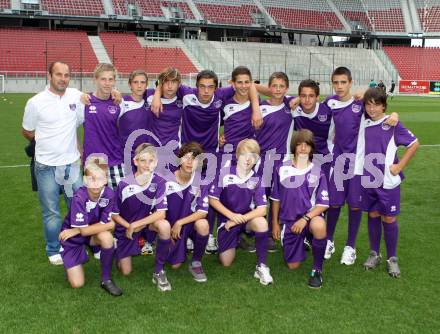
137 196
88 222
241 201
187 210
382 200
300 197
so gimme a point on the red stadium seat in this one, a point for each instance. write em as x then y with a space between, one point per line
415 63
77 8
306 19
373 15
25 50
150 8
239 14
127 54
5 4
183 6
429 17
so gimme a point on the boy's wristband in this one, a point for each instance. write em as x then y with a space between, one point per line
307 218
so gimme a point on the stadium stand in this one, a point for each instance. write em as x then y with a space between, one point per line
429 14
77 8
180 7
306 15
36 48
385 16
373 15
415 63
150 8
127 54
120 6
298 62
153 8
5 4
354 13
237 12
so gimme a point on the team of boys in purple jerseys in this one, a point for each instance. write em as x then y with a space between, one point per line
154 168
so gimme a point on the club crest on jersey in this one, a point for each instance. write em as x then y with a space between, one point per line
153 187
179 104
356 108
103 202
386 127
324 195
322 118
218 104
112 109
72 106
92 109
90 205
251 184
312 178
393 208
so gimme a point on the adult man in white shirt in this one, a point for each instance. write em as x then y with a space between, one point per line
50 117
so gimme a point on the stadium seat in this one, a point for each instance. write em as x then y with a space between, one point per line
228 12
415 63
307 15
373 15
150 8
429 15
5 4
127 54
76 8
354 13
120 7
181 5
37 47
298 62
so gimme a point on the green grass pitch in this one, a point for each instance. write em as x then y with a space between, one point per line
35 297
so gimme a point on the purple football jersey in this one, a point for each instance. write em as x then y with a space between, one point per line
166 127
240 195
237 121
320 123
347 117
185 199
201 122
84 212
134 201
381 138
298 190
277 127
101 134
134 116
